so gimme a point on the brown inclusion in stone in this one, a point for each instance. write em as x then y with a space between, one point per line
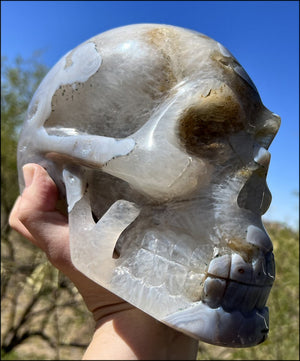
204 127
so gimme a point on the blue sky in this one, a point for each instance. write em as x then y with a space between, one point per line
262 35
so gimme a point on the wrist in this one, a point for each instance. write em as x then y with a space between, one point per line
137 336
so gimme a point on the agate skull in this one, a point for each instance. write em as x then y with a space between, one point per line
157 138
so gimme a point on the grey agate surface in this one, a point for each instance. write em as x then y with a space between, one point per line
158 139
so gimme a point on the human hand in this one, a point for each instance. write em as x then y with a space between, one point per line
36 217
125 331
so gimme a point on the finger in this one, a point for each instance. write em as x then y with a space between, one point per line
16 224
36 217
40 186
39 196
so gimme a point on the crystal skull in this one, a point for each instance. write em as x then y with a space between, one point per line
157 138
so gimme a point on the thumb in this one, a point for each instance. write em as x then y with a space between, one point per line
40 188
35 215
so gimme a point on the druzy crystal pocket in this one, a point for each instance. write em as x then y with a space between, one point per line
157 138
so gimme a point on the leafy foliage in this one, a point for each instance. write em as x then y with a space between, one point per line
40 307
18 83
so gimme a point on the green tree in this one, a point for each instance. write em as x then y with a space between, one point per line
18 83
40 306
19 80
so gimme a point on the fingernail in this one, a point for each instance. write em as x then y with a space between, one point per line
28 173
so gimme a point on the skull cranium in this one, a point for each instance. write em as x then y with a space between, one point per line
158 139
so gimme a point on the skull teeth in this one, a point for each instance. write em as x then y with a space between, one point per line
230 282
259 238
232 296
213 291
233 267
237 285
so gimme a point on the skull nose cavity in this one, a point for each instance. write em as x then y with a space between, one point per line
255 194
259 238
262 157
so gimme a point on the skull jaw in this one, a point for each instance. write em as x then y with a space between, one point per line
229 328
197 319
218 327
151 272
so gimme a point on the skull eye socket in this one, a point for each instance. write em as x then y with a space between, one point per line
203 128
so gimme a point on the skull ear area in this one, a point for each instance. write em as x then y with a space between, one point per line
204 126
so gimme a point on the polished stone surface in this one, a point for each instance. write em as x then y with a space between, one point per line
158 139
